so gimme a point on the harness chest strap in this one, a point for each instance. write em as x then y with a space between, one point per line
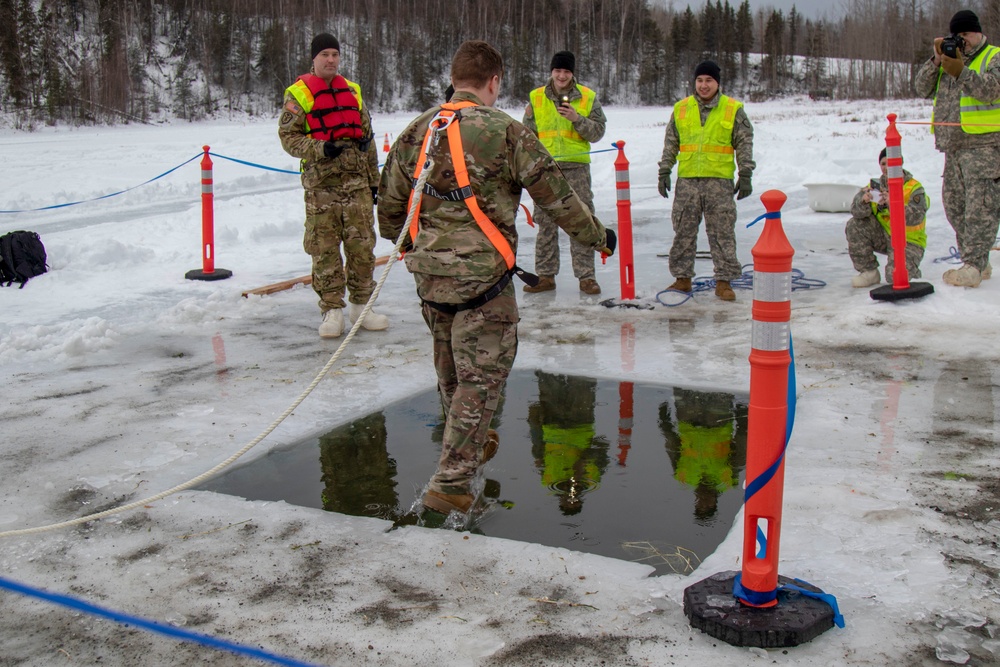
449 115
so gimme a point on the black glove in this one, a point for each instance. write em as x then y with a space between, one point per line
374 196
610 242
663 185
332 150
743 186
365 143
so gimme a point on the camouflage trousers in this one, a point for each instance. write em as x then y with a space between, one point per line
335 218
971 196
474 351
866 236
547 241
713 199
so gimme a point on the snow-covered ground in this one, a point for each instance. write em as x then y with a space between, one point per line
123 379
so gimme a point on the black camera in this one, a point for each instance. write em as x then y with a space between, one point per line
952 45
565 100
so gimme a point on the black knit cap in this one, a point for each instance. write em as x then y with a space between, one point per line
881 155
964 21
564 60
323 41
709 68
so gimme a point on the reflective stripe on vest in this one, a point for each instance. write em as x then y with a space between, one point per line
706 151
449 118
333 111
916 234
975 112
556 133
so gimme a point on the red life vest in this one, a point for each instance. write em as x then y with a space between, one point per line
335 112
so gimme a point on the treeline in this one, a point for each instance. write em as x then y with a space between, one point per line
144 60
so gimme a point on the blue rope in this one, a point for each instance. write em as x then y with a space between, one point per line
953 256
153 626
254 164
745 281
603 150
113 194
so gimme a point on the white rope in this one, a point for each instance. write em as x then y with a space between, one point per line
417 195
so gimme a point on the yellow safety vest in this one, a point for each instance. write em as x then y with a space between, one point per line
563 448
556 133
706 151
975 111
704 456
916 234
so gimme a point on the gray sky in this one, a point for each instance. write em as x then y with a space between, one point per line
810 9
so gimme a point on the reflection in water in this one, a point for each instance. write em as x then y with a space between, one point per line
359 477
706 448
672 440
569 457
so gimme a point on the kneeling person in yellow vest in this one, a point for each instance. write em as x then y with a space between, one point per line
567 118
868 231
707 136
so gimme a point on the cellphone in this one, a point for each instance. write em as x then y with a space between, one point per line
874 184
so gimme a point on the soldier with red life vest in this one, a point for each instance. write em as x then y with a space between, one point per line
708 135
324 123
463 246
869 232
567 118
963 77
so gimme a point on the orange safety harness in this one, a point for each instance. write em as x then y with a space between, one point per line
447 120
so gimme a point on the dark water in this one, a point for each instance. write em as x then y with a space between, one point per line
641 472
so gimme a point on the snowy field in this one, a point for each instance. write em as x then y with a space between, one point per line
123 379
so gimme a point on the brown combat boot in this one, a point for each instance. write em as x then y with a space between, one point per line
545 284
681 285
448 502
491 446
589 286
724 291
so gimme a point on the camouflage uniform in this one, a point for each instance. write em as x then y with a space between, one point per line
711 197
338 207
591 128
971 187
453 262
866 235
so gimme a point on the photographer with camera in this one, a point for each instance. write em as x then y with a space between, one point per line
567 118
963 77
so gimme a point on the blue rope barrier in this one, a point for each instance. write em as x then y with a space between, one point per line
254 164
113 194
745 282
153 626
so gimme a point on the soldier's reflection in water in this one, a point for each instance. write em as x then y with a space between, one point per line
706 441
568 456
359 476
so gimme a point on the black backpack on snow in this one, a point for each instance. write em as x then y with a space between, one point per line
22 257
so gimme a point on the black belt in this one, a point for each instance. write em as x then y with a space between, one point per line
484 298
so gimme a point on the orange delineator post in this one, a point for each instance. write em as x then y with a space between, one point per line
207 215
625 420
897 214
626 262
385 146
208 270
767 426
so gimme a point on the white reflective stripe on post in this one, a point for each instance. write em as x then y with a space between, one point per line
206 174
772 287
623 195
621 175
893 151
894 172
206 188
769 336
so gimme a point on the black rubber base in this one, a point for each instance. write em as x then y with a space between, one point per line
218 274
890 293
796 619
